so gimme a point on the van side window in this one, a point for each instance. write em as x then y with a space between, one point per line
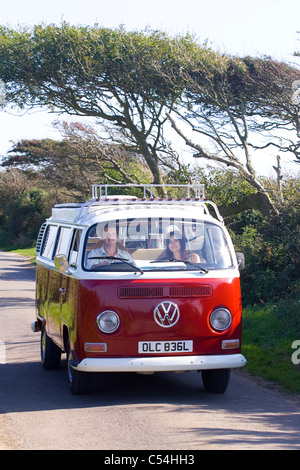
63 241
49 241
73 258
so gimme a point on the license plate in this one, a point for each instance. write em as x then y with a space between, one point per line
156 347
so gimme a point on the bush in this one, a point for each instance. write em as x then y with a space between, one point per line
271 244
271 249
22 217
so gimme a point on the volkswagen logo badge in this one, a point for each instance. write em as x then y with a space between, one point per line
166 314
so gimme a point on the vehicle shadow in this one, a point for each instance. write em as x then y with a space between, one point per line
29 387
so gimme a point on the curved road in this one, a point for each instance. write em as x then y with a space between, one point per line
125 411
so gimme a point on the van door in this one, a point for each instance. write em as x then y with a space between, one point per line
54 300
70 285
57 288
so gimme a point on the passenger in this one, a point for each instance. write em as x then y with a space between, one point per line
109 247
176 249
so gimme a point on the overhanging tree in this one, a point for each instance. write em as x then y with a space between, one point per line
233 106
112 75
80 159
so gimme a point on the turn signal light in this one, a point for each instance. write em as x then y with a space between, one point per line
230 343
95 347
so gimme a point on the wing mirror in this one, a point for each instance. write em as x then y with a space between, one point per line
240 260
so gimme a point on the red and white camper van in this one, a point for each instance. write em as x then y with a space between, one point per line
139 284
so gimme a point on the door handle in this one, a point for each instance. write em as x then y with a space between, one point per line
62 290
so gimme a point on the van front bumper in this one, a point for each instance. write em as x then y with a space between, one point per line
160 364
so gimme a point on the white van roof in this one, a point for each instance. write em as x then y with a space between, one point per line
83 212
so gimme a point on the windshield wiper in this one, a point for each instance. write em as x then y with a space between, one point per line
126 261
196 265
164 260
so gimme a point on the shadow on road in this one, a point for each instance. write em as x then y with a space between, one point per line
27 387
19 270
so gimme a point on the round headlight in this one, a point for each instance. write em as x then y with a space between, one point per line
220 319
108 321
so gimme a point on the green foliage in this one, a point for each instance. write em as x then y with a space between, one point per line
271 247
24 217
224 187
21 216
99 58
80 159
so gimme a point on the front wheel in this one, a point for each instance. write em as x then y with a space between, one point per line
79 382
216 381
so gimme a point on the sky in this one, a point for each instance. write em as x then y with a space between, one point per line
236 27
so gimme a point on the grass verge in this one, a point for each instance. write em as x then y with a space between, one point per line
29 252
268 334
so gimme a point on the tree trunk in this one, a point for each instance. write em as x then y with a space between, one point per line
259 201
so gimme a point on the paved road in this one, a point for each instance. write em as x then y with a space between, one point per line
124 411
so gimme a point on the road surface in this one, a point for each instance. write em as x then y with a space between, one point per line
124 411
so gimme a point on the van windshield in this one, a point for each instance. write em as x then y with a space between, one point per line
156 244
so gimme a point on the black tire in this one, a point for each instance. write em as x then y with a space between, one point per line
216 381
50 352
79 382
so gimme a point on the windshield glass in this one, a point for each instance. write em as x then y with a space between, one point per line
156 244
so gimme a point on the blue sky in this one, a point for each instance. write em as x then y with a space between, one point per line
237 27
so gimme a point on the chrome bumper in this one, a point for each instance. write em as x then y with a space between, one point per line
160 364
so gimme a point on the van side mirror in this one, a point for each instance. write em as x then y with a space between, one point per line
61 263
240 260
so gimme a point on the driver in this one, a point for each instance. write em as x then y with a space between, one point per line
109 247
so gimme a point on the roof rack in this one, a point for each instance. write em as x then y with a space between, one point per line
194 195
100 191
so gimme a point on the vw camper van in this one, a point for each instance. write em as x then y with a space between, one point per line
141 283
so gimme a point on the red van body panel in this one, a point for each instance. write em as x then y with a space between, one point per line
76 304
137 314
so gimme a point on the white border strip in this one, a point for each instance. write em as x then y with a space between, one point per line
2 353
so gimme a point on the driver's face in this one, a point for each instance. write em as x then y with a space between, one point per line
110 236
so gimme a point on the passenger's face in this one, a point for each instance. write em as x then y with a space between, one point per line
174 244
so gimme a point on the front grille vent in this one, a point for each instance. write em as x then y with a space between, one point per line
190 291
133 292
174 291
